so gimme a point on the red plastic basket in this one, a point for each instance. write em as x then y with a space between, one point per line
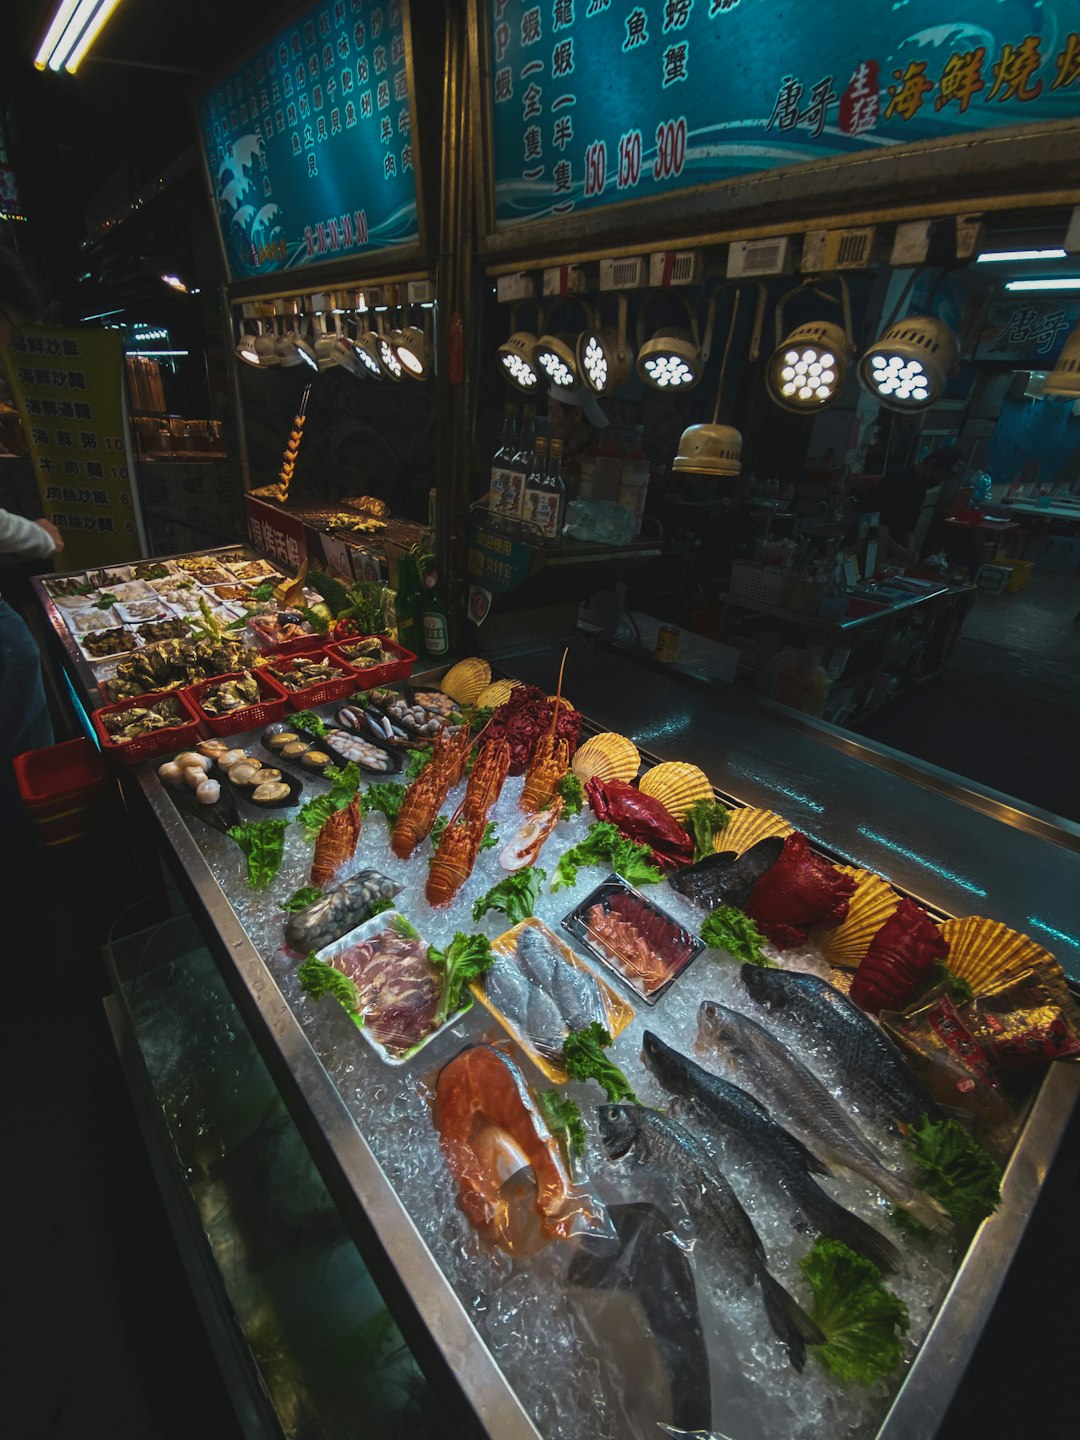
324 691
368 679
156 742
248 717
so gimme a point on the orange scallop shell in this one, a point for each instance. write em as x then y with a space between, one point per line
988 954
747 826
494 694
607 756
677 785
870 906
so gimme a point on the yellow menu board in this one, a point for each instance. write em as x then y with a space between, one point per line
68 387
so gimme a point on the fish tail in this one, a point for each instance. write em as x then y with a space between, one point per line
921 1207
789 1320
839 1223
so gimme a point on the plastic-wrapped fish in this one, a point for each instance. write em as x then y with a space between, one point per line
338 911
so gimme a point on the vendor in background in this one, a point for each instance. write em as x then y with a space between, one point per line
574 417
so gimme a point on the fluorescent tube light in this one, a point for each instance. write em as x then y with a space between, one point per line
73 29
1069 282
998 256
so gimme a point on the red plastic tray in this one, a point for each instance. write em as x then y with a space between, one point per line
370 678
322 693
248 717
157 742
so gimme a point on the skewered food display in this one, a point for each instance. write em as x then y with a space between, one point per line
716 1066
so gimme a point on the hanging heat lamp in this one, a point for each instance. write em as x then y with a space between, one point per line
516 354
908 368
385 353
674 358
414 348
716 449
555 353
1064 379
604 356
807 369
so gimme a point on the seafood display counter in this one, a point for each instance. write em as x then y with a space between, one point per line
583 1309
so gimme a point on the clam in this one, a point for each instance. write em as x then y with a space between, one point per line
214 748
677 785
228 758
244 772
269 792
315 759
607 756
282 738
294 749
464 681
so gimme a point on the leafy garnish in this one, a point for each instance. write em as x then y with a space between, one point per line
605 843
263 842
329 587
955 1170
418 758
401 926
441 822
584 1059
956 985
569 787
385 796
309 721
478 716
563 1118
465 958
516 896
319 620
208 626
863 1322
343 786
320 979
490 837
378 906
105 601
728 928
704 821
265 591
302 898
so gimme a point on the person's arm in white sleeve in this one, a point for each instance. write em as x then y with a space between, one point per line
37 539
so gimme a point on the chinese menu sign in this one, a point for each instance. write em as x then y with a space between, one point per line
1031 329
67 385
595 101
309 143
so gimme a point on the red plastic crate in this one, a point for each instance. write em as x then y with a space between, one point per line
61 781
324 691
157 742
271 707
369 679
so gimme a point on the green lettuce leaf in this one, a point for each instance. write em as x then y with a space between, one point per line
584 1059
515 896
703 822
728 928
863 1323
466 958
263 842
955 1170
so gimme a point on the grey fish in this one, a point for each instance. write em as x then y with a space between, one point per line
870 1064
777 1157
720 1221
767 1069
535 956
544 1023
727 878
338 910
507 989
578 997
655 1269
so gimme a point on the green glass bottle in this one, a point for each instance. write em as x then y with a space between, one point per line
434 619
408 603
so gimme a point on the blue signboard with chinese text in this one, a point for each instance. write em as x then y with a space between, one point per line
309 143
1031 328
596 101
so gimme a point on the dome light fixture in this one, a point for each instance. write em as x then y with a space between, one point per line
907 369
247 347
674 359
555 353
604 356
366 350
716 449
516 354
1064 379
807 369
385 353
413 348
326 343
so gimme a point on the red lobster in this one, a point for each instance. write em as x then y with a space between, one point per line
336 843
549 763
460 842
428 791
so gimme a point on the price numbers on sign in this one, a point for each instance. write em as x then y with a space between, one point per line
595 168
670 149
629 159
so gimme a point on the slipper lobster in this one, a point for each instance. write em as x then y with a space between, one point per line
428 791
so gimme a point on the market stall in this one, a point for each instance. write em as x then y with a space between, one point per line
499 1313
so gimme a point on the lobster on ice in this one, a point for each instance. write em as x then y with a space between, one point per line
335 843
425 795
460 842
550 760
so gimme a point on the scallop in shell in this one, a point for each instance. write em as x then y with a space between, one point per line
748 825
269 792
846 944
677 785
494 694
464 681
988 954
607 756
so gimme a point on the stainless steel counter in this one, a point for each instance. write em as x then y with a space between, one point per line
960 850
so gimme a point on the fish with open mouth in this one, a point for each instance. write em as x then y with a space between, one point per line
762 1064
777 1157
720 1221
727 878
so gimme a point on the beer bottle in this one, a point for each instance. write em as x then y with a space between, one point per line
555 483
536 506
520 466
408 600
434 619
501 480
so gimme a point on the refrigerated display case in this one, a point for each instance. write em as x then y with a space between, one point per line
494 1334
